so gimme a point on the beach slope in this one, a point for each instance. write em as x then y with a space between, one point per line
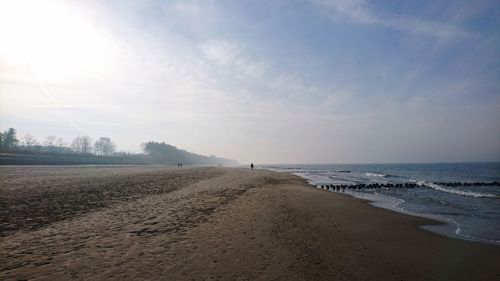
156 223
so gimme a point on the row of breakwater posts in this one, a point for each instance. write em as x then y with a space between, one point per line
343 187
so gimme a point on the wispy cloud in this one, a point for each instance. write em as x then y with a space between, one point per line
360 11
197 18
220 52
223 53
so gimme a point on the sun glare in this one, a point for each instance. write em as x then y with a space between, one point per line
51 39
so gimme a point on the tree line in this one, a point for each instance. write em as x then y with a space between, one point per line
83 150
9 142
161 152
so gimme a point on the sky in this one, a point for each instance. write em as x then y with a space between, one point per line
318 81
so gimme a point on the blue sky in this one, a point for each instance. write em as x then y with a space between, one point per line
317 81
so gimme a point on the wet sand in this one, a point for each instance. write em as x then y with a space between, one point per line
156 223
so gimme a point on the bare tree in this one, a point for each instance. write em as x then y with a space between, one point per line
30 141
104 146
60 144
81 144
86 144
76 144
98 147
50 142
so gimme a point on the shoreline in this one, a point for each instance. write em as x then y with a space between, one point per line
448 227
215 223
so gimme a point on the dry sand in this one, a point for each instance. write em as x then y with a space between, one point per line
156 223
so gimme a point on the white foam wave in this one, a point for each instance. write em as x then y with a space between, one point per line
456 191
374 175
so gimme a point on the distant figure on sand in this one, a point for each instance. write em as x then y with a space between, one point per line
251 166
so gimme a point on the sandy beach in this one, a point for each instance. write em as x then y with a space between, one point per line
158 223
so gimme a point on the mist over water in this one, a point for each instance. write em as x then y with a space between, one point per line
474 209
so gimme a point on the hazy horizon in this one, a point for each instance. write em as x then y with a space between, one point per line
319 81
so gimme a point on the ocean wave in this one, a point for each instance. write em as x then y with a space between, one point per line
456 191
375 175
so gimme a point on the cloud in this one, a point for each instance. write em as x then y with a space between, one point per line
226 54
193 17
356 10
220 52
360 11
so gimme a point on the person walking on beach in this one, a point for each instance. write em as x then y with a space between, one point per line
251 166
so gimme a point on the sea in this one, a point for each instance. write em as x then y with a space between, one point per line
462 195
